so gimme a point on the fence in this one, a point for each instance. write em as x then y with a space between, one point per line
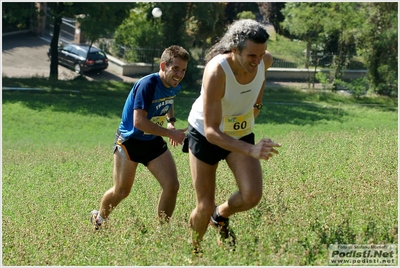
67 33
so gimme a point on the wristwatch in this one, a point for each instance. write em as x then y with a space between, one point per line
258 106
172 119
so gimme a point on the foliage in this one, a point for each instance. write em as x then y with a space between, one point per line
136 31
379 46
100 18
206 24
357 87
192 24
303 19
340 27
246 15
315 192
233 8
18 16
324 80
327 28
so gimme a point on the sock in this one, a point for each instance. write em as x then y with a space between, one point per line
99 219
218 217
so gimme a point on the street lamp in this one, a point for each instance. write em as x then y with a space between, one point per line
156 12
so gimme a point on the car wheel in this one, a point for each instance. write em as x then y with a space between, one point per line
77 68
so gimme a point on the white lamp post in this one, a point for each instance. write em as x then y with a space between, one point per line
156 12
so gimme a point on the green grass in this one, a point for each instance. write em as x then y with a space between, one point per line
283 45
335 180
289 53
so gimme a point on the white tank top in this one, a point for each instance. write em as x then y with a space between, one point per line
237 103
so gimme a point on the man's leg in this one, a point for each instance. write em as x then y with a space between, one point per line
124 175
164 170
248 175
203 176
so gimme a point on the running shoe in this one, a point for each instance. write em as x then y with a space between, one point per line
197 252
226 234
93 219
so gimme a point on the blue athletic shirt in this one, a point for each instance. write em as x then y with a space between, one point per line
148 94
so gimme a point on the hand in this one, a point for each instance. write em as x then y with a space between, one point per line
177 136
264 149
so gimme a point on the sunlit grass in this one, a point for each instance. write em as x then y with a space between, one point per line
335 180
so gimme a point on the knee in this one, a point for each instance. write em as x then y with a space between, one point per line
252 199
205 208
121 193
175 187
172 187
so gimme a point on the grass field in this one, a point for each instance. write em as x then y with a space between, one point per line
335 180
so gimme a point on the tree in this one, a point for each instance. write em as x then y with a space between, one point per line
344 28
379 46
271 12
329 27
341 24
205 24
189 25
101 19
141 30
17 16
57 10
303 20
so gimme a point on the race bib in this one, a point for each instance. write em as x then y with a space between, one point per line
158 120
239 125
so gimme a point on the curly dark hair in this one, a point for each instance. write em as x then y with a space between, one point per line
236 36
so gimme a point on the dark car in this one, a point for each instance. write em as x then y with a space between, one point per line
76 57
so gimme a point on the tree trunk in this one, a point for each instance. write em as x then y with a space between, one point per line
54 48
308 52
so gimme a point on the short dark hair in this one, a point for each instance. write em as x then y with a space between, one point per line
174 52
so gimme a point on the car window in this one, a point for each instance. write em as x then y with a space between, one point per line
74 50
97 55
81 53
67 48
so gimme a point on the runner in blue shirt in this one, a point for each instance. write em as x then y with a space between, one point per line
139 138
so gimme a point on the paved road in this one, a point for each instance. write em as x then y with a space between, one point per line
25 55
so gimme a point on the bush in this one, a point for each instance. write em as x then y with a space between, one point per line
357 87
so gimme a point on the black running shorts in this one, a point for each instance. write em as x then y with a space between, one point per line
206 151
140 151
